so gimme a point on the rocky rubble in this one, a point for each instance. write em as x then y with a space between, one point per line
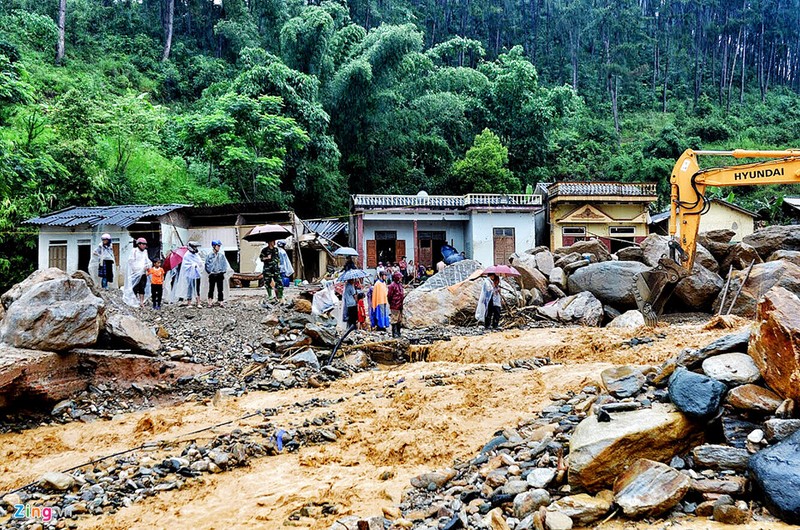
701 435
111 483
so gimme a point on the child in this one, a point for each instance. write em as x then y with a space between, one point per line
362 311
156 274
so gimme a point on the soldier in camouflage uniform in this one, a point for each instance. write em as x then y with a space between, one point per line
272 270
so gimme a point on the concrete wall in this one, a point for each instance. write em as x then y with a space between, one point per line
722 217
620 212
481 233
74 237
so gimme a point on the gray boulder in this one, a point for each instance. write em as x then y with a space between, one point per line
55 315
655 246
697 396
633 253
582 309
36 277
594 247
732 368
776 470
568 259
530 276
133 333
792 256
558 278
699 290
768 240
740 256
610 281
629 319
762 278
451 275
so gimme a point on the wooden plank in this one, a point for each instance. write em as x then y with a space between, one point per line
372 254
399 249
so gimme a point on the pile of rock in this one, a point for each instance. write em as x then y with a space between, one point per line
712 432
120 481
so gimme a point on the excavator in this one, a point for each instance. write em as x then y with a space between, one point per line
688 202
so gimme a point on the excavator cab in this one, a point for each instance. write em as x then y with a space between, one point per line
652 289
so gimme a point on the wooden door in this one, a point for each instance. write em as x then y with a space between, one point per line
399 249
58 256
372 254
425 253
504 245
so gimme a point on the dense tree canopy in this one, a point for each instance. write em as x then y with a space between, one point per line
304 102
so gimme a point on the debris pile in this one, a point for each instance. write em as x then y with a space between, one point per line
712 432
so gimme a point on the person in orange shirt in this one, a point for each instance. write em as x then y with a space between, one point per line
156 274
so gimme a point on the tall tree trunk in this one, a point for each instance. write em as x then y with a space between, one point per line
168 24
62 20
744 68
733 69
574 46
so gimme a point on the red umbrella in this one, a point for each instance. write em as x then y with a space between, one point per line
174 258
501 270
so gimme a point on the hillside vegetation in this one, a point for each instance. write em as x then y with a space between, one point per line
302 103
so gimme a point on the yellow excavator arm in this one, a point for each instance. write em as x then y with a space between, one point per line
688 202
688 185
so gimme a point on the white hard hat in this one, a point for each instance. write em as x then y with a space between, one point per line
105 236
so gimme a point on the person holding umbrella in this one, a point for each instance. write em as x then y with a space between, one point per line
271 259
490 302
350 303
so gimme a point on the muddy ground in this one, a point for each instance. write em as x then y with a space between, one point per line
398 421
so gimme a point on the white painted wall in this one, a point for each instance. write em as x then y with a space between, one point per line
173 237
404 229
454 228
481 233
74 237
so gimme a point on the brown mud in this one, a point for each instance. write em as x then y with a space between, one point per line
398 422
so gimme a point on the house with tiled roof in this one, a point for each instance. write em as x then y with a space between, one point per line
615 213
721 215
487 227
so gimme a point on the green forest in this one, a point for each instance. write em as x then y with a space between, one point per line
301 103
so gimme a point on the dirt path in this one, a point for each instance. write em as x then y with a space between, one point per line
398 423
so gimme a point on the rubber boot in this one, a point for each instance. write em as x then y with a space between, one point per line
279 291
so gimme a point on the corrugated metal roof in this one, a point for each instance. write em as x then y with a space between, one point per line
327 228
123 216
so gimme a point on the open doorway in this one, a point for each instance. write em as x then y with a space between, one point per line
430 246
84 255
385 246
621 237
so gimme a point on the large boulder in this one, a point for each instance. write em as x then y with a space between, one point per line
655 246
451 275
632 253
776 470
582 309
740 256
768 240
699 290
599 452
629 319
544 259
530 276
439 306
723 235
762 277
649 488
792 256
775 342
610 281
132 333
55 315
36 277
696 395
592 246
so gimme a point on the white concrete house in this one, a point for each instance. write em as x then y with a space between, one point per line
486 227
68 237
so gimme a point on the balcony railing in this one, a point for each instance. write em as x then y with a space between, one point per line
633 189
446 201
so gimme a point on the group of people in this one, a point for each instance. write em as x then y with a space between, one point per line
144 275
379 308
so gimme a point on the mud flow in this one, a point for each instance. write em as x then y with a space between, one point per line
392 423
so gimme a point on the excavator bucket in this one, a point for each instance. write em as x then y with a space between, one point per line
653 288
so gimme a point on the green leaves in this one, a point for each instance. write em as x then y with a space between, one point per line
483 169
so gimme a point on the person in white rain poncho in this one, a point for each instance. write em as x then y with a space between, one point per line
136 284
286 264
216 267
102 264
187 283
